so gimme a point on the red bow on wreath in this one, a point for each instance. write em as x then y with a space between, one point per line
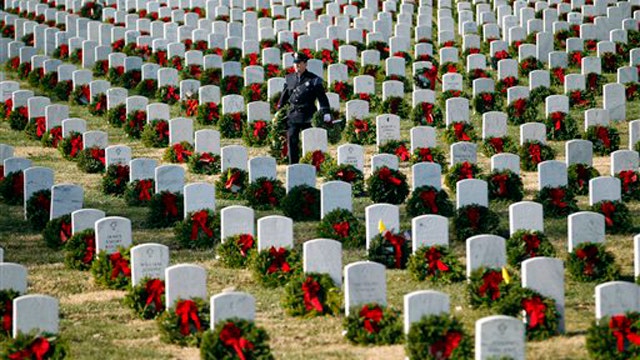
620 325
428 198
155 289
592 81
237 121
346 175
361 126
172 94
487 98
341 229
589 255
491 284
162 129
397 242
372 318
231 181
582 175
535 308
508 82
119 266
182 154
256 92
628 177
65 231
41 126
608 209
364 96
267 190
187 310
23 111
169 204
273 70
64 50
98 154
245 243
497 144
425 155
253 59
199 221
434 263
466 171
473 215
311 288
535 153
501 55
559 74
386 175
317 159
278 261
520 106
259 129
427 112
327 57
44 202
557 118
192 107
7 319
36 350
501 180
119 70
631 91
18 183
86 93
444 348
212 111
144 189
451 68
8 106
231 336
351 65
206 158
161 56
602 133
461 135
340 88
90 250
531 244
402 152
557 195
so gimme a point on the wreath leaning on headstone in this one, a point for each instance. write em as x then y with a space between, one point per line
6 311
436 337
185 322
347 173
343 226
390 249
264 193
12 188
80 250
302 203
38 207
115 179
557 202
274 267
361 131
235 251
231 184
235 338
473 220
461 171
436 263
592 262
35 346
488 286
139 192
387 185
429 200
373 324
204 163
311 294
505 185
57 232
538 312
200 229
401 149
527 244
112 270
579 176
165 209
616 337
92 160
147 298
616 216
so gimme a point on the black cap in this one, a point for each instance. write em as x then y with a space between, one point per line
300 57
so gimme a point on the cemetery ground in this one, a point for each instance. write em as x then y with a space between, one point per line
98 325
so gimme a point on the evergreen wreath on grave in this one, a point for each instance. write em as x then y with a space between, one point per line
81 95
311 294
38 207
264 193
427 114
147 88
57 232
134 123
575 58
80 250
146 299
434 155
605 139
232 54
101 68
373 324
91 10
533 152
611 61
156 134
487 101
274 100
302 203
165 209
630 184
117 116
211 76
522 111
199 230
319 159
397 106
24 69
473 220
12 188
504 84
5 109
477 74
278 136
560 126
168 94
231 84
446 95
387 185
390 249
557 76
381 46
487 286
254 92
18 118
461 171
361 131
499 55
176 62
235 338
112 271
334 129
449 68
35 77
12 64
347 173
595 82
579 176
406 82
429 200
185 322
590 262
497 145
616 216
459 131
271 70
98 106
139 192
437 337
539 95
115 179
526 66
353 68
116 75
397 148
191 71
235 251
36 128
6 311
63 90
343 89
91 161
341 225
505 185
274 267
179 153
538 312
231 125
426 78
208 114
35 346
557 202
231 184
436 263
256 133
527 244
204 163
371 70
616 337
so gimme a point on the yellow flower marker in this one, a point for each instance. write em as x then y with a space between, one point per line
381 227
505 275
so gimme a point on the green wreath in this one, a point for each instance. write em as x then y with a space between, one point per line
427 114
616 215
264 193
115 179
192 71
98 105
560 126
505 185
112 271
156 134
278 136
80 95
12 188
310 295
487 287
373 324
100 68
361 131
231 84
185 330
134 124
557 202
204 163
436 263
437 337
450 67
302 203
200 229
579 176
630 184
533 152
35 128
398 148
503 85
449 94
434 155
235 251
231 125
254 92
334 130
343 226
397 106
219 343
460 131
14 348
605 139
6 311
165 209
427 200
611 62
461 171
91 10
387 185
91 161
390 249
527 244
526 66
62 90
117 116
538 312
274 267
582 99
319 159
521 111
347 173
231 184
256 134
591 262
147 299
57 232
38 209
497 145
487 101
603 337
80 250
178 153
139 192
232 54
18 118
211 76
539 95
471 220
371 70
208 114
168 94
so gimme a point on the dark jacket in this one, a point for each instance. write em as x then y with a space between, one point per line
302 95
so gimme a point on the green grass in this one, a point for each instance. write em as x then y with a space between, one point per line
98 325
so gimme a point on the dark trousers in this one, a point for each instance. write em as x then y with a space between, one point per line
293 140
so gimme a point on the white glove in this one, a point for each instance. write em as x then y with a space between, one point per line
327 117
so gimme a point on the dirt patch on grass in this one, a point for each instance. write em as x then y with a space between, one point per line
95 296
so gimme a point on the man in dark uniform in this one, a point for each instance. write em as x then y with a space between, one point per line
301 90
